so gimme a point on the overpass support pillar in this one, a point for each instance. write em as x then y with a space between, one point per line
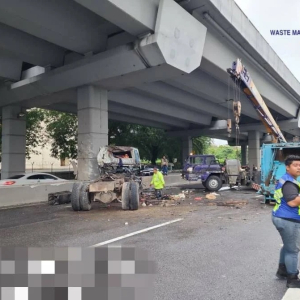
92 129
244 154
187 147
254 149
13 141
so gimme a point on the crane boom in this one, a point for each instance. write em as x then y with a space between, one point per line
240 74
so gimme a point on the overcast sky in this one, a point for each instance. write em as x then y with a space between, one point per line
267 15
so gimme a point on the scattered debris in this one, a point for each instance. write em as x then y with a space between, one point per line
233 203
198 198
126 223
59 198
210 196
144 204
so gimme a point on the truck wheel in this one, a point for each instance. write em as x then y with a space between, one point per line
75 196
213 183
85 199
125 195
134 196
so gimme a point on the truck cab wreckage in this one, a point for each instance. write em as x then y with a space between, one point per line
117 180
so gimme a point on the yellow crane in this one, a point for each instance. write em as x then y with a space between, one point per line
241 76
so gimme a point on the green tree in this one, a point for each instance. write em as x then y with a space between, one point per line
224 152
34 135
61 131
201 144
152 143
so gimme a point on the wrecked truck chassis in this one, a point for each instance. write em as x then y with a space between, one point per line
126 192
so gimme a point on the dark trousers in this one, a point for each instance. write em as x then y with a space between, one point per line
164 169
158 194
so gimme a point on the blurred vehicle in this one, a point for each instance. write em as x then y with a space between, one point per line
32 178
147 171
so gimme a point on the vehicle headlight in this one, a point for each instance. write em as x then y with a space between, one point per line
190 170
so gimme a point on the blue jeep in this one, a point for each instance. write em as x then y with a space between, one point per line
212 174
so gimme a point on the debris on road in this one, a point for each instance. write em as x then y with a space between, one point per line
210 196
198 198
59 198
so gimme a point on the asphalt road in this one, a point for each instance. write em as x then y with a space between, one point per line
215 252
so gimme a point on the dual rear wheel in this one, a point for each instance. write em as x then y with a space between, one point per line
130 196
81 198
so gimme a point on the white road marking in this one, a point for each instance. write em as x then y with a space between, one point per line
135 233
292 294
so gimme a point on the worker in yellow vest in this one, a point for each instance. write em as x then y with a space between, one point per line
157 182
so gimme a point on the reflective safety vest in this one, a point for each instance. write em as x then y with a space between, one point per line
282 209
158 181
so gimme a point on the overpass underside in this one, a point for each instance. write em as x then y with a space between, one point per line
159 63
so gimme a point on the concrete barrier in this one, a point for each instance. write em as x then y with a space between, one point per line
12 196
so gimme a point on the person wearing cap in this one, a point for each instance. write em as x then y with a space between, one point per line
158 182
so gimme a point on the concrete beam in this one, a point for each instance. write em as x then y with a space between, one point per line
283 125
75 28
215 127
217 133
236 24
137 121
184 99
13 142
254 149
137 17
71 108
95 69
156 106
201 83
28 48
144 115
187 147
10 67
219 53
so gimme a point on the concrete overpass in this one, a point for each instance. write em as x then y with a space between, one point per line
159 63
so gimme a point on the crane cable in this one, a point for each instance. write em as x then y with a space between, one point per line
237 110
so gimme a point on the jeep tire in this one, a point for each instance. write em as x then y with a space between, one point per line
213 183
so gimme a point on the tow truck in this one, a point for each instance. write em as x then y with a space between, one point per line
273 154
